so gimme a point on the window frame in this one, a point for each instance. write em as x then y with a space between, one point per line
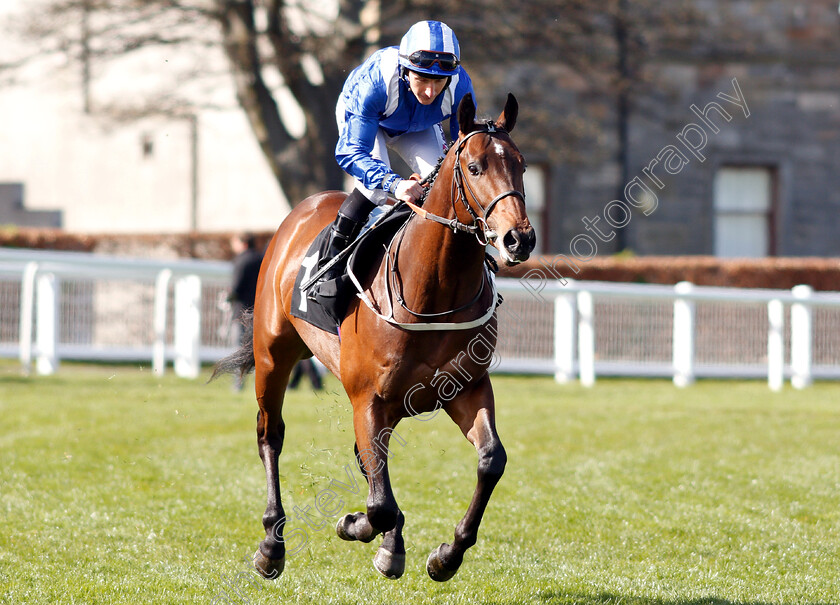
770 214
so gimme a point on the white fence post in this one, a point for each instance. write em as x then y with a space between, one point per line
187 326
47 301
27 323
586 338
800 338
775 345
564 337
161 300
683 352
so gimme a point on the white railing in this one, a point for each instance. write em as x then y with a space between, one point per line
683 331
89 307
57 306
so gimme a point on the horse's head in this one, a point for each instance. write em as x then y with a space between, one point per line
488 176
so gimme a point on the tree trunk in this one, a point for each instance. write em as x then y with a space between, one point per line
301 166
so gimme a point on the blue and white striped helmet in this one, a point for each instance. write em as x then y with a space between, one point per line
430 47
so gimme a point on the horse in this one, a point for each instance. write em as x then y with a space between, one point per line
385 362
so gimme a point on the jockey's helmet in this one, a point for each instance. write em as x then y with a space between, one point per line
431 48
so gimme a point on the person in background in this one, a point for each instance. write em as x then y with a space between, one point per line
246 270
308 367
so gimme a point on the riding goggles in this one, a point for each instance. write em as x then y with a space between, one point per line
424 59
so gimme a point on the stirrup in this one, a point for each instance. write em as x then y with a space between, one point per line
328 288
328 285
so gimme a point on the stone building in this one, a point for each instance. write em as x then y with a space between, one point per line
731 126
62 165
684 127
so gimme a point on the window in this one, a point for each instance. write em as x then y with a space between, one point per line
535 194
743 206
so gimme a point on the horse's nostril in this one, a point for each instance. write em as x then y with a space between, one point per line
511 240
532 239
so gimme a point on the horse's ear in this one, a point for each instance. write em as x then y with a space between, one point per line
507 119
466 114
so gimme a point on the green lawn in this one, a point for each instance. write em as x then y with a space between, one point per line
120 487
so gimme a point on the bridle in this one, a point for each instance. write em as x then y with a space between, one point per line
460 187
458 181
478 227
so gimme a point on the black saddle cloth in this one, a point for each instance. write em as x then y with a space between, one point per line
378 231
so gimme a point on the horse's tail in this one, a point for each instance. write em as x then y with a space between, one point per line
242 360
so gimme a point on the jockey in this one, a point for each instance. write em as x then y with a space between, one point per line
395 100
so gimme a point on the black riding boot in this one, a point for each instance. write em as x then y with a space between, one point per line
350 220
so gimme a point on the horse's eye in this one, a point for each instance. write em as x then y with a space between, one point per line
474 168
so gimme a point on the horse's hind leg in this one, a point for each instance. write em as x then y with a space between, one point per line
274 362
474 413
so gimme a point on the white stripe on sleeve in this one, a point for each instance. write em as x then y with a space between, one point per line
391 76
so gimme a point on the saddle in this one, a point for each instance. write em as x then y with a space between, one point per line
380 228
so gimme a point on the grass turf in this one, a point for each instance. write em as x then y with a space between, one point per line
122 487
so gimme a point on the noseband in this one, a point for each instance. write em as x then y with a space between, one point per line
479 226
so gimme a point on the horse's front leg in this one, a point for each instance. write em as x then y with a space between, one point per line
390 558
474 413
373 435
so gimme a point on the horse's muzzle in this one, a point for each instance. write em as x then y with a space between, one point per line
517 245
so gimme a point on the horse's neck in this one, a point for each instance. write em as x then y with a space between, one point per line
439 269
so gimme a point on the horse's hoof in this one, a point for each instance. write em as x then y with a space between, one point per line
388 564
270 569
344 525
342 528
436 569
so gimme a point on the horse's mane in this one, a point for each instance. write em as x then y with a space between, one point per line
430 178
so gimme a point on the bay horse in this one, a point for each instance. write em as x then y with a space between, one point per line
476 194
